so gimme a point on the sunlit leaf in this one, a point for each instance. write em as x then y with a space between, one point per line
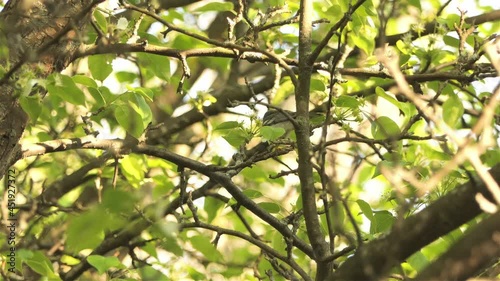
85 225
97 95
206 248
31 105
365 209
215 6
101 20
347 101
64 87
158 65
133 169
42 265
383 127
133 113
270 207
453 110
236 137
102 264
84 80
381 222
212 206
100 66
227 125
271 133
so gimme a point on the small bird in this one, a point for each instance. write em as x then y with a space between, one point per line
278 119
275 118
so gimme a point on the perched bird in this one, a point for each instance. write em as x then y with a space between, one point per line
275 118
283 119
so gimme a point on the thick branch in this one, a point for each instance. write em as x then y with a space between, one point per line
469 255
302 131
46 45
59 188
376 258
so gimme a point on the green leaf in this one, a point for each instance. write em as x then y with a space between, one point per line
270 207
216 7
406 108
335 12
228 125
365 39
133 113
146 93
157 65
365 209
64 87
317 84
101 20
363 33
98 98
129 119
234 133
171 244
151 249
285 90
150 273
102 264
236 139
84 80
205 247
31 105
133 168
100 66
381 222
366 173
277 242
383 127
232 272
347 101
118 201
162 186
69 260
403 47
415 3
271 133
42 265
107 95
22 256
252 193
450 20
212 206
491 157
453 110
431 153
125 77
85 225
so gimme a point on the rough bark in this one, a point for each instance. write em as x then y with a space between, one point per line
469 255
42 38
373 260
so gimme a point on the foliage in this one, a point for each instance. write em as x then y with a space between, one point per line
146 158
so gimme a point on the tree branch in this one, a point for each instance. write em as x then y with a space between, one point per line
474 251
431 26
376 258
302 131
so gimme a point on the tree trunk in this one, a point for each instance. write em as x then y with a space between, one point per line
42 37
